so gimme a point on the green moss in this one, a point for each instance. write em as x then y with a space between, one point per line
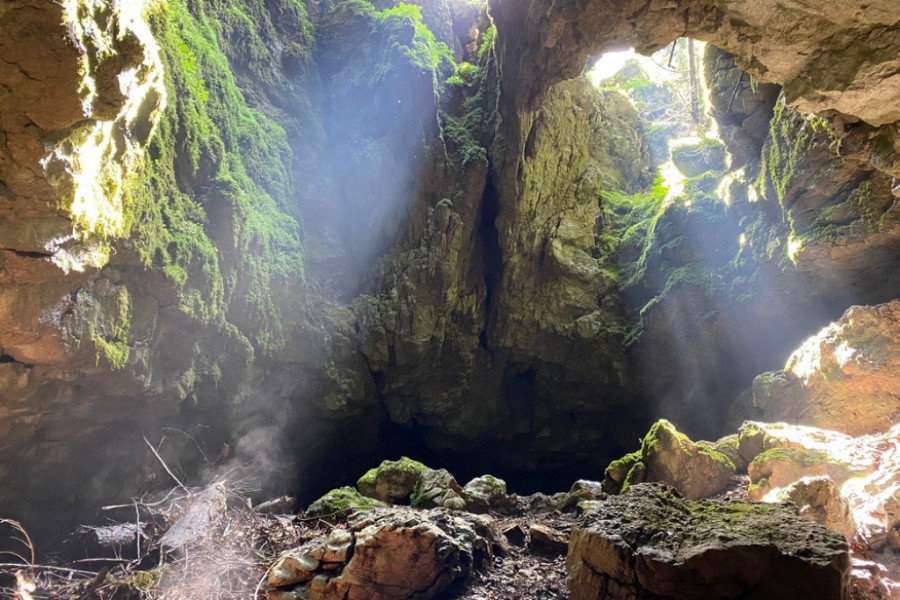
798 456
341 502
213 153
114 343
637 474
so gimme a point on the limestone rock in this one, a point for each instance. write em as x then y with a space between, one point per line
651 543
292 567
695 470
818 499
780 467
488 493
580 491
398 554
437 488
546 540
844 378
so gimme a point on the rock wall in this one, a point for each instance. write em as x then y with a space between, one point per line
237 220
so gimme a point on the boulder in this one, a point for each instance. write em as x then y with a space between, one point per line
652 543
392 480
695 470
818 499
875 497
846 377
730 447
781 467
397 554
437 488
488 493
580 491
547 540
341 502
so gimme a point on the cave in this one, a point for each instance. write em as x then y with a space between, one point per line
384 262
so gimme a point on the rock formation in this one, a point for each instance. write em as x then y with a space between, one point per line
219 221
651 543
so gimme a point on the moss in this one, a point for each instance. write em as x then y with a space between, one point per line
617 470
461 133
637 474
341 502
115 345
799 456
695 159
212 153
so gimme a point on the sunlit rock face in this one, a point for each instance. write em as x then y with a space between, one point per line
843 378
455 277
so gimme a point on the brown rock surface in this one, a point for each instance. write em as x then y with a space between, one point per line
846 377
397 554
651 543
694 469
818 499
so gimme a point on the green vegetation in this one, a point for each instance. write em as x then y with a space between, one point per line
341 502
213 154
114 345
463 132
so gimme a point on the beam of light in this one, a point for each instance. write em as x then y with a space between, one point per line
92 169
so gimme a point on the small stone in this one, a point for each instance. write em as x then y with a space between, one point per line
292 567
337 548
546 540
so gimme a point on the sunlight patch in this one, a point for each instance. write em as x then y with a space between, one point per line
92 168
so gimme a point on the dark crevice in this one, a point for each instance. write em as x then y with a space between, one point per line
25 254
6 358
492 255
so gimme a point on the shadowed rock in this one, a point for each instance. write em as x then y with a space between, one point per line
652 543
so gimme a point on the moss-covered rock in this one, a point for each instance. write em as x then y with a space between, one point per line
341 502
616 473
695 470
780 467
700 157
393 480
487 493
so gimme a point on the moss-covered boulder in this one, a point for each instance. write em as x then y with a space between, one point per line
341 502
486 493
652 543
695 470
437 488
780 467
618 471
698 158
392 481
730 447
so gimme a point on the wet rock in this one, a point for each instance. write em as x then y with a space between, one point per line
846 378
652 543
818 499
540 503
695 470
780 467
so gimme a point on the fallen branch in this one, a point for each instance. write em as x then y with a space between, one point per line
165 466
